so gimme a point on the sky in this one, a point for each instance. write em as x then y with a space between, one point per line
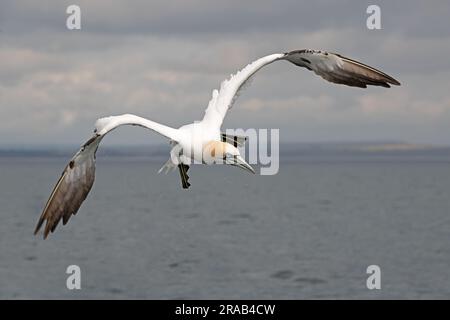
162 59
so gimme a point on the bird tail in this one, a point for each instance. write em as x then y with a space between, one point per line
168 166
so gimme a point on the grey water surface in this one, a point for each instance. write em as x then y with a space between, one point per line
308 232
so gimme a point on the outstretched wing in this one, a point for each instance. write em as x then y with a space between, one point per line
78 177
339 69
71 189
330 66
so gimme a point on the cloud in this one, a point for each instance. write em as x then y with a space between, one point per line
404 106
162 60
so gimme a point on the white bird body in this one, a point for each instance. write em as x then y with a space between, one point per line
200 141
195 137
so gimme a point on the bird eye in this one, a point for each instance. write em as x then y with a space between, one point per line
228 156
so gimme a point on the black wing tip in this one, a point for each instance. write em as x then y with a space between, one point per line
38 226
40 223
49 226
45 235
387 79
395 82
48 229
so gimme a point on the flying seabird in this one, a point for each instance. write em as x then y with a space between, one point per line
200 141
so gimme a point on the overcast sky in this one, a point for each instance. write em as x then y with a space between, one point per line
162 59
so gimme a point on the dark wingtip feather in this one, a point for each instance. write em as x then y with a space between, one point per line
38 226
395 82
389 79
47 230
62 209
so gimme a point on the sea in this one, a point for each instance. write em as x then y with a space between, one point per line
314 230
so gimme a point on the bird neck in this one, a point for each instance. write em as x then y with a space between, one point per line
215 149
113 122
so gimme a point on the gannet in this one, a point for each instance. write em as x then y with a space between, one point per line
201 141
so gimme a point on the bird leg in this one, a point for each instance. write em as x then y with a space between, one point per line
183 168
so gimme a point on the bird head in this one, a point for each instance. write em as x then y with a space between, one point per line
223 152
102 125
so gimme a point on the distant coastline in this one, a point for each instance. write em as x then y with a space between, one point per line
340 151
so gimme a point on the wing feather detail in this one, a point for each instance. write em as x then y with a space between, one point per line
336 68
78 176
71 189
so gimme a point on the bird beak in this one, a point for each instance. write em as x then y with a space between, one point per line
239 162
